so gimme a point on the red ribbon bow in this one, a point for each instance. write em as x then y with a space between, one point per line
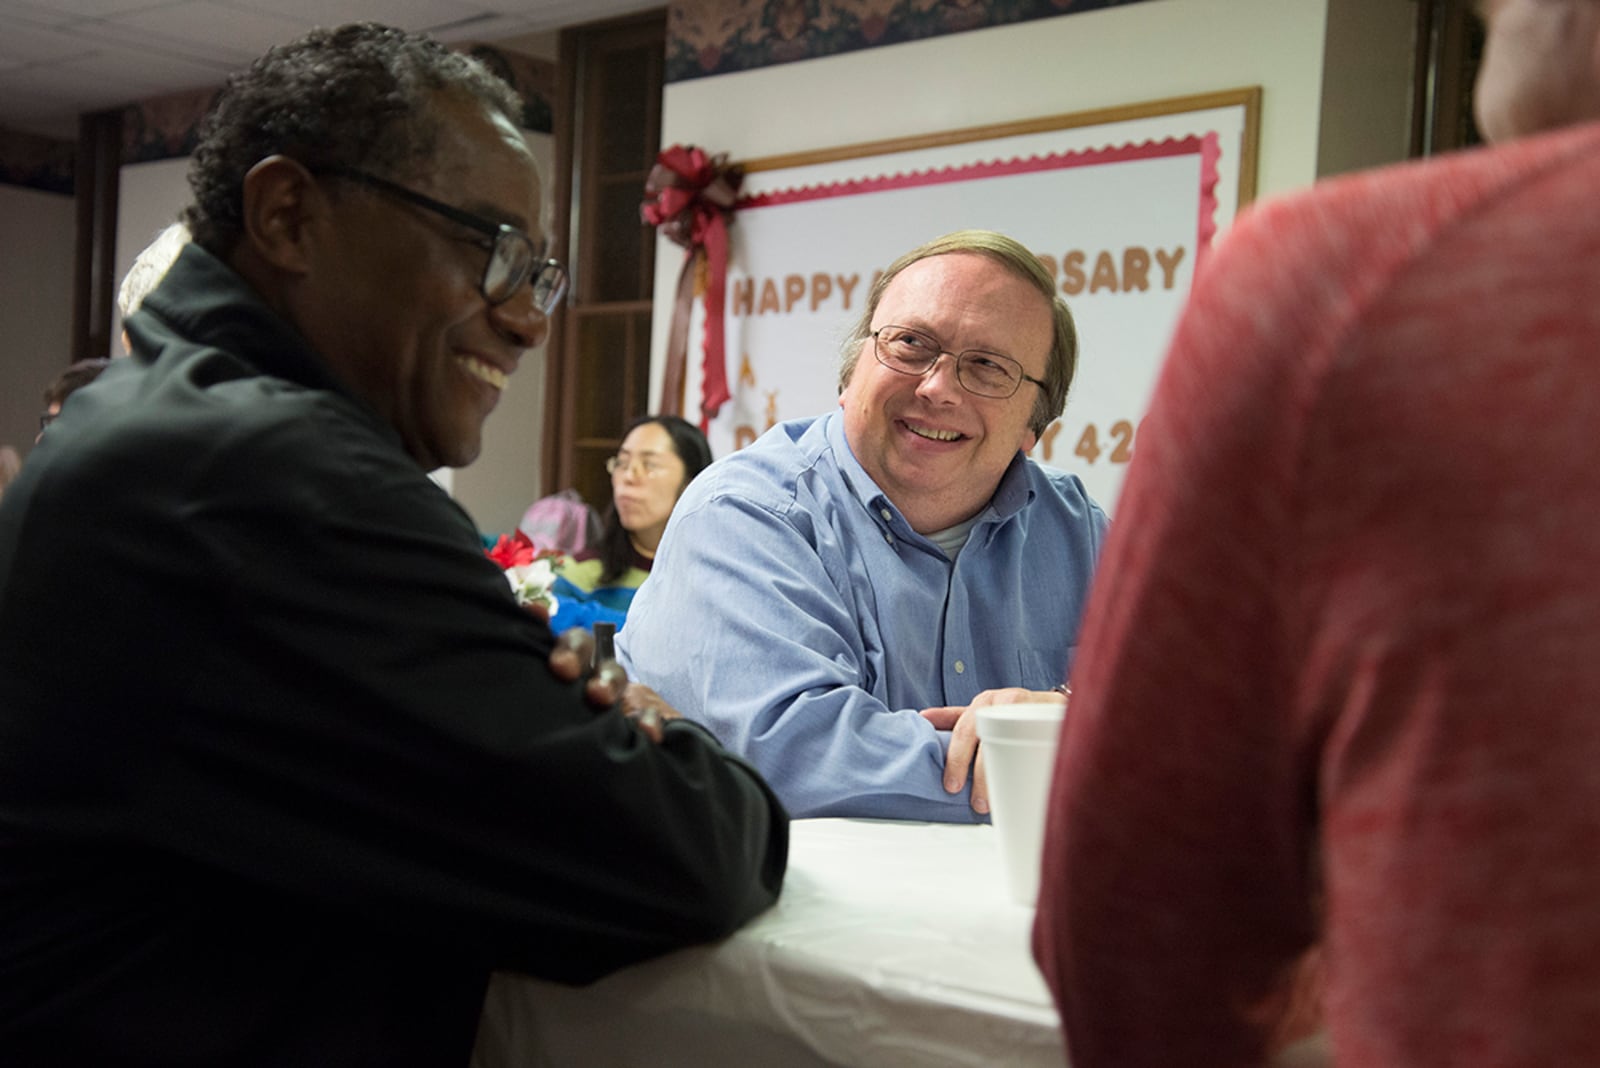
690 197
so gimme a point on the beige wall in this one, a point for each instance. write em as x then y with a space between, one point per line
36 252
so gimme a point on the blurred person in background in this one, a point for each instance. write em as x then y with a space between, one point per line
10 465
659 456
149 267
147 270
75 377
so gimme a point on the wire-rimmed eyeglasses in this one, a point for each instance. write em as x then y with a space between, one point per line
513 256
985 374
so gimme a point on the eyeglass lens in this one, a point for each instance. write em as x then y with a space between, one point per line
643 466
987 374
512 260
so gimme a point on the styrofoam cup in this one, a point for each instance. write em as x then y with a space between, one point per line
1019 754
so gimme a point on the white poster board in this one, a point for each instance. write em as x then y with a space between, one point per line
1120 205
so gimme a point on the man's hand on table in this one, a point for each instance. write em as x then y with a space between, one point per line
609 683
964 757
646 708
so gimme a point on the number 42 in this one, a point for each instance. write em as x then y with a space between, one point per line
1120 437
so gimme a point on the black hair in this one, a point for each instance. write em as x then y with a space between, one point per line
359 96
616 550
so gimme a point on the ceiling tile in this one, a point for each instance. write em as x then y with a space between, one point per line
212 28
59 58
24 44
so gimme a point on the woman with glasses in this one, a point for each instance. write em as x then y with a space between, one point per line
659 456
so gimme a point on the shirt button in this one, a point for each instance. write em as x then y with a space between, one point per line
887 515
889 538
961 667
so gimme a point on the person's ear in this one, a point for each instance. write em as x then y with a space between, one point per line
844 384
281 201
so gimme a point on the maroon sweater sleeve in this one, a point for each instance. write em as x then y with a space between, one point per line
1339 672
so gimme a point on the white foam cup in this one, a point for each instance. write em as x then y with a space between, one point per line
1018 743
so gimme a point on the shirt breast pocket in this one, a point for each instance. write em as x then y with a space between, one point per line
1041 669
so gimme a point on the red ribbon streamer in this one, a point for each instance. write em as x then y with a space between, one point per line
690 198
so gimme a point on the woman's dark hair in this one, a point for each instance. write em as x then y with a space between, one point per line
616 551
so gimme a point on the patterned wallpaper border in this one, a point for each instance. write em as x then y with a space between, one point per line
708 37
35 162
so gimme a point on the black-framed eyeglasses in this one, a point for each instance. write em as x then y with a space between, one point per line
513 256
985 374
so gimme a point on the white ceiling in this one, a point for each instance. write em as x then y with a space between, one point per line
59 58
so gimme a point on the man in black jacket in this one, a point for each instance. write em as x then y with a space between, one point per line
318 779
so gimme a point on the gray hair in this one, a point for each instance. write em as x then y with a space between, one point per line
150 267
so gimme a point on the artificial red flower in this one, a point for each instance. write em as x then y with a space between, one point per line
514 550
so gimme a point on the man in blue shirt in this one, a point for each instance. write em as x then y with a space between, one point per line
835 600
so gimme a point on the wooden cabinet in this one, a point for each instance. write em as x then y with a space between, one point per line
608 131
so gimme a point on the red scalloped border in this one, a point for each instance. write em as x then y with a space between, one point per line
1210 152
1208 147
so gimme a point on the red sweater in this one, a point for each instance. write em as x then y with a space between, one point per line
1340 677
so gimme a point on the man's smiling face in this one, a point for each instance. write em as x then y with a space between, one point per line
936 450
396 305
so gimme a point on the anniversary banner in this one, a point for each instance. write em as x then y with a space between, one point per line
1121 206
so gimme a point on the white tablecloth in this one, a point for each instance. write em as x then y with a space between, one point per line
893 944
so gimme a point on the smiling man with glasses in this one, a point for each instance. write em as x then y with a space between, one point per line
324 775
861 582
